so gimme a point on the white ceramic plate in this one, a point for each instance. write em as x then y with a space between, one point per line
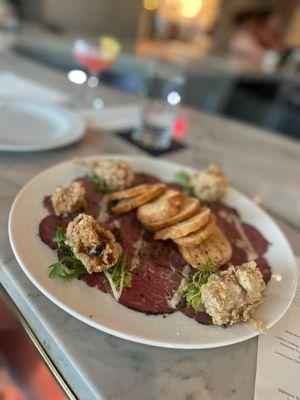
101 310
31 126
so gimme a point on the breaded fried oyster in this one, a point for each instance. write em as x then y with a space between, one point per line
232 295
117 174
93 245
211 184
69 199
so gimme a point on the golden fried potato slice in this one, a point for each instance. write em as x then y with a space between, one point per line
164 207
190 207
199 236
216 248
128 193
127 205
186 227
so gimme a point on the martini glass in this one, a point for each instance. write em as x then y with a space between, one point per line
96 60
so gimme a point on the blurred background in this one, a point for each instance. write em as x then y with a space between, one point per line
242 56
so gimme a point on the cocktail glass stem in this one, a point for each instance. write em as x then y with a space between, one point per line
91 99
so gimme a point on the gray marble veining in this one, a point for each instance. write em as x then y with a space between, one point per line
97 365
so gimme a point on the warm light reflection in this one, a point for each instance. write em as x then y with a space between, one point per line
198 13
190 8
77 76
277 277
257 199
150 5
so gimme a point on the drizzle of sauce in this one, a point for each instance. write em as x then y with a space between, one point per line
242 243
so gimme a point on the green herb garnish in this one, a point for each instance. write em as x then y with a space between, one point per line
68 267
119 275
184 179
191 292
100 184
59 237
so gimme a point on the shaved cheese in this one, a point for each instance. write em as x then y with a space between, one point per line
103 214
177 296
138 245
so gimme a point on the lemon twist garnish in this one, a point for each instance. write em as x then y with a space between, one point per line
109 47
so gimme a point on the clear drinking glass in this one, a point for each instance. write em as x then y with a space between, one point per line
161 96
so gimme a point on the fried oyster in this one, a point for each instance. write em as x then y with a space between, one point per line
232 295
69 199
117 174
210 185
92 244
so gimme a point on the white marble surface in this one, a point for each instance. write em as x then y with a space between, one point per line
97 365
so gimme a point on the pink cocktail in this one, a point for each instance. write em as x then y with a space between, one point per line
96 59
93 62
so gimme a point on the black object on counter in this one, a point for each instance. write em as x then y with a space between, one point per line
175 146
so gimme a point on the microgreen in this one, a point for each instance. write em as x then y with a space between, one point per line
100 184
184 179
120 276
191 291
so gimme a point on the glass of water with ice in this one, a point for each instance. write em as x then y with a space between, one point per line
161 96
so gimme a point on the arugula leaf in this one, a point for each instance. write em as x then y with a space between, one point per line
69 266
191 292
184 179
55 270
60 240
100 184
59 236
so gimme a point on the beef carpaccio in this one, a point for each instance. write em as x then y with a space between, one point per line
157 268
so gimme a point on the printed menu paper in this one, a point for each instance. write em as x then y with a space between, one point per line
278 357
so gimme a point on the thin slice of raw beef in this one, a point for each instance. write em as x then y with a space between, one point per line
199 316
48 227
156 266
239 255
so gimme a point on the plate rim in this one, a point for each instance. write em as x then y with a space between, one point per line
76 131
117 333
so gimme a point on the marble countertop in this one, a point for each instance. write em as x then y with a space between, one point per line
97 365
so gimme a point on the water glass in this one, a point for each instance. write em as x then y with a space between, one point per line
161 96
